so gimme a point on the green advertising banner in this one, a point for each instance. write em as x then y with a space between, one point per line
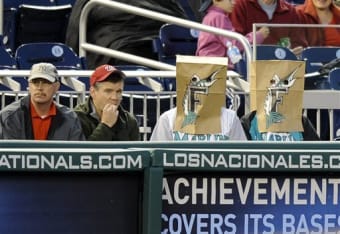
73 159
248 159
249 190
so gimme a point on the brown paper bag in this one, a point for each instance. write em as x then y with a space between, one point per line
276 92
201 92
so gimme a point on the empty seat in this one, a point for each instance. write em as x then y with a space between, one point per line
267 52
270 52
7 4
334 78
7 83
64 2
17 3
9 28
140 83
40 2
7 61
59 54
316 57
41 23
174 40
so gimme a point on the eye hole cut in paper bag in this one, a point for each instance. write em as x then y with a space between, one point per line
276 92
201 92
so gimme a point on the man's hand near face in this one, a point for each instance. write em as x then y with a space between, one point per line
110 114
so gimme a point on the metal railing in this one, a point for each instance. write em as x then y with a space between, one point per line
256 26
85 46
313 99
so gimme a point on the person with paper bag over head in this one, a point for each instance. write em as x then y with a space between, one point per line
201 113
276 98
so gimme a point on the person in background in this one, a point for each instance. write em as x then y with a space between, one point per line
217 15
248 12
102 117
321 12
119 30
37 116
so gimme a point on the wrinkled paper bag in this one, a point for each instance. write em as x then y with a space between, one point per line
201 92
276 92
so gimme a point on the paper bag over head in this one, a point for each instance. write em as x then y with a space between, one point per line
276 93
201 93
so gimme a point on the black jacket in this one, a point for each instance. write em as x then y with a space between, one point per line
116 29
16 123
125 129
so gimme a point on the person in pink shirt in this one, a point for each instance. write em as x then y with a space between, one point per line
217 15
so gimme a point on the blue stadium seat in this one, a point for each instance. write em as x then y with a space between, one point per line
59 54
334 78
136 83
270 52
9 28
41 23
12 3
315 57
17 3
10 18
267 52
40 2
174 40
64 2
8 62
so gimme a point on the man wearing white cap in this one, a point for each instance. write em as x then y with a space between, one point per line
37 116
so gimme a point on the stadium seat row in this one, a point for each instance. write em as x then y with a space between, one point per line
34 23
64 58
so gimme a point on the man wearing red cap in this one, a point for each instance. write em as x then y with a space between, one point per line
102 117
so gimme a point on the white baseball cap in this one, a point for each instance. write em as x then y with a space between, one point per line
45 71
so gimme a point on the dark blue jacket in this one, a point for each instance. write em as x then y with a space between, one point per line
16 123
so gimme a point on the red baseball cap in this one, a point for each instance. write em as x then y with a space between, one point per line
102 72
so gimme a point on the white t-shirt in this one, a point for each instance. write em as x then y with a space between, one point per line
230 123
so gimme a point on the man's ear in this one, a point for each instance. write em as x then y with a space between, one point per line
57 86
91 90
